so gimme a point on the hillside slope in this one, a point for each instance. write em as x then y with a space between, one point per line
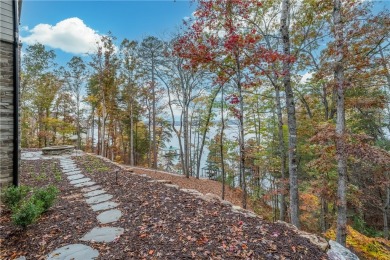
159 221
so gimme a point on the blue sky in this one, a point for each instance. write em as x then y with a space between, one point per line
72 26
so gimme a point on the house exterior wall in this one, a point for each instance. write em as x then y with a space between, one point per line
9 144
6 20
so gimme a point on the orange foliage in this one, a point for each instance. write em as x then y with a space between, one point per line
309 208
365 247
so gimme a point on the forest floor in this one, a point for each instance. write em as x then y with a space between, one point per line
159 222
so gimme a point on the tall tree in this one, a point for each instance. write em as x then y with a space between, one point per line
130 74
75 78
291 119
150 51
40 85
184 84
105 64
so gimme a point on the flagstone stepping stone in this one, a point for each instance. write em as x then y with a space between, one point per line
85 184
75 252
73 172
103 234
75 177
80 180
99 199
70 163
88 189
94 193
67 168
104 206
67 164
109 216
70 170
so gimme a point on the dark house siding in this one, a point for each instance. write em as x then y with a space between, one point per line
9 93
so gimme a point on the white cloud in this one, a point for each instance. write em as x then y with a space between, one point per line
70 35
305 77
24 28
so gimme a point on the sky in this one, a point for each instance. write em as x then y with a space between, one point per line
73 27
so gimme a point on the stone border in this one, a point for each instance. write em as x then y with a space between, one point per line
58 150
319 241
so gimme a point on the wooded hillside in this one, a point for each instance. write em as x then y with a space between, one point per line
287 100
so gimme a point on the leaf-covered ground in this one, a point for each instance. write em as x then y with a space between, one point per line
160 222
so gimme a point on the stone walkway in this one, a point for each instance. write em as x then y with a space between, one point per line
98 200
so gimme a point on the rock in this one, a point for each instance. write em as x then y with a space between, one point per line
103 234
251 214
85 184
226 203
172 186
68 167
338 252
75 177
109 216
193 192
210 197
316 240
99 199
88 189
290 226
75 252
320 242
80 181
94 193
73 172
164 181
104 206
236 208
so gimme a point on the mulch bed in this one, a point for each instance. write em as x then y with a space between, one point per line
159 222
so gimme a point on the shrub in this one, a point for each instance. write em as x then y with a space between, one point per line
12 196
47 196
27 213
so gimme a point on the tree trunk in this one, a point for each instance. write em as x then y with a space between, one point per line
292 125
103 135
78 122
154 118
99 142
283 206
386 214
150 139
185 137
340 127
242 136
323 215
46 128
205 130
221 145
131 152
93 130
